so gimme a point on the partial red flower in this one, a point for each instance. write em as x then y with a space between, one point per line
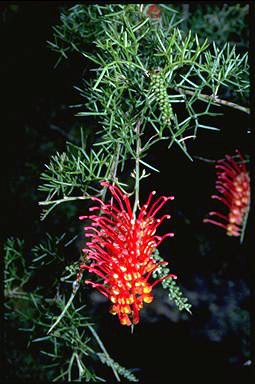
153 11
233 185
120 251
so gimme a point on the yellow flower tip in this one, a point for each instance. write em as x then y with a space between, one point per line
125 320
147 289
148 298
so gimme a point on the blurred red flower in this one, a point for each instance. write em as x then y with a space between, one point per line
120 248
233 184
153 11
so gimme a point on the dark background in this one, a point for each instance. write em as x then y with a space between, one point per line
213 270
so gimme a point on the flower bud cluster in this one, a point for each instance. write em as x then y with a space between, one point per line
158 85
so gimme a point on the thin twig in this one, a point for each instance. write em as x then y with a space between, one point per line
65 199
137 169
213 98
113 169
204 159
114 166
104 350
214 161
244 224
75 289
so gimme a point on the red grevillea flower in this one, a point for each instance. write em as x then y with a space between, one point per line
120 251
153 11
233 184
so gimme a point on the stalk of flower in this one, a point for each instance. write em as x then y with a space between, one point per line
233 185
120 251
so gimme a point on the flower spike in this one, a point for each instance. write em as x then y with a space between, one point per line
120 251
233 185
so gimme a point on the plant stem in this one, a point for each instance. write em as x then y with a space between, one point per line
104 350
244 224
213 98
112 172
75 289
65 199
137 170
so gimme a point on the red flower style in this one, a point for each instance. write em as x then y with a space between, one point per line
233 184
120 249
153 11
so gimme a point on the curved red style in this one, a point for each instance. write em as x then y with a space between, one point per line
233 185
120 250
